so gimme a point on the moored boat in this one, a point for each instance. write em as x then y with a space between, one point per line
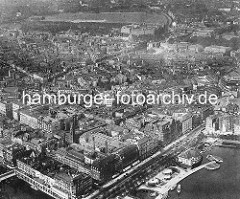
179 188
214 158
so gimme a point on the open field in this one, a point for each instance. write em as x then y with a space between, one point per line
111 17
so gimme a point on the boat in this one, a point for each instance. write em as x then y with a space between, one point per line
173 187
214 158
179 188
213 166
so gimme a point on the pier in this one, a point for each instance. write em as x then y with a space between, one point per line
164 189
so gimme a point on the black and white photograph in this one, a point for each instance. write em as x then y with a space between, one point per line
119 99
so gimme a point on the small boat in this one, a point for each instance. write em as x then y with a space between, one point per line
214 158
173 187
179 188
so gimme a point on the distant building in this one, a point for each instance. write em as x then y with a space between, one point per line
233 76
104 168
137 30
212 123
159 127
225 9
98 140
11 152
40 77
6 109
29 117
73 159
181 47
217 50
16 106
229 36
148 147
226 124
203 33
164 130
236 129
236 56
130 197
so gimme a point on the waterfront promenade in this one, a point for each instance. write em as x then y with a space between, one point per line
164 189
194 133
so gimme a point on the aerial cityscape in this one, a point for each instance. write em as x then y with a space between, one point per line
119 99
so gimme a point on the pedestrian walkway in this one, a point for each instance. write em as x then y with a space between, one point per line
164 189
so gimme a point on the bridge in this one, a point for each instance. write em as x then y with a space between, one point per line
7 175
228 143
163 189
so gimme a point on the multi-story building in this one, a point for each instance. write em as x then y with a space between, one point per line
163 129
3 145
217 50
73 159
6 109
176 47
147 146
236 129
135 30
190 158
29 118
42 117
157 126
100 139
61 183
11 152
205 112
49 124
212 123
185 119
233 76
104 168
16 106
